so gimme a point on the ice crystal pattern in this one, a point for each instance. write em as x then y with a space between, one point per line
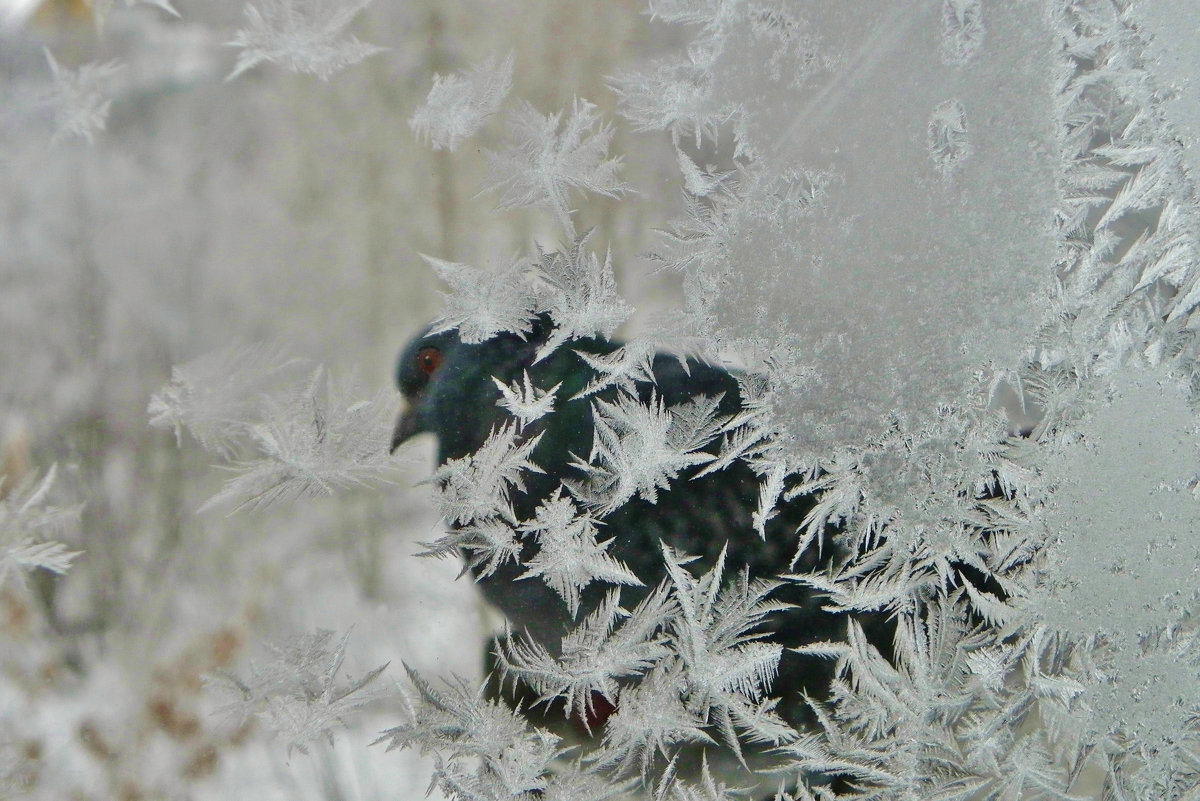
458 104
1121 518
305 36
949 143
478 486
525 401
27 523
299 692
570 557
481 302
484 749
79 99
546 156
322 438
580 291
762 248
639 448
215 395
848 246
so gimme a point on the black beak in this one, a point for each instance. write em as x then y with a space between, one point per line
406 427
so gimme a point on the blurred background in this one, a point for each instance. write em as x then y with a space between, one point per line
150 212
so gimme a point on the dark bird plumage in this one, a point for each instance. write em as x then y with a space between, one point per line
449 392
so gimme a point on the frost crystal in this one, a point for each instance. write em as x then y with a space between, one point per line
651 721
477 486
305 36
707 788
671 95
962 30
458 104
297 693
570 557
25 520
580 292
726 669
483 303
1121 515
484 749
607 646
486 544
526 402
217 396
546 157
625 367
949 143
696 181
317 441
639 448
78 98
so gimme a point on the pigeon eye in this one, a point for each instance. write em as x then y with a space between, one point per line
429 360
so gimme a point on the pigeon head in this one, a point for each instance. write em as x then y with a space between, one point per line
448 389
416 369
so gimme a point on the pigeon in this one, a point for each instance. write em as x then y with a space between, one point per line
452 389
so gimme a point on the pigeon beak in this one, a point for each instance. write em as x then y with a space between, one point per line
406 427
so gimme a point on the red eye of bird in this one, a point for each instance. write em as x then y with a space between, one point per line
429 360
